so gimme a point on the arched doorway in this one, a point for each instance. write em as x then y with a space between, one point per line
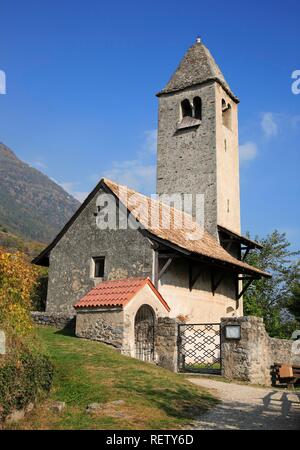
144 333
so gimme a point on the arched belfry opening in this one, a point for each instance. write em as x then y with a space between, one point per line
144 333
197 108
186 108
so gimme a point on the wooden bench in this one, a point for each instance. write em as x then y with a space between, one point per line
285 374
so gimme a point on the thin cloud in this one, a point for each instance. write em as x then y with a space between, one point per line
150 145
2 82
248 152
269 124
39 165
138 173
134 174
70 187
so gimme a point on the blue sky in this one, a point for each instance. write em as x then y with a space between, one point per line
82 77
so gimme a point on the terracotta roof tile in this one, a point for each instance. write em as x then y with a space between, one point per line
182 229
116 293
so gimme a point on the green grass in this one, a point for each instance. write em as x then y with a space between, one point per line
198 368
88 372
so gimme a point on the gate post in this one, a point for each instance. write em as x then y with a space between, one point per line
165 347
250 358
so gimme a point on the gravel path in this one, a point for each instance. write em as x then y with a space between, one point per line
249 408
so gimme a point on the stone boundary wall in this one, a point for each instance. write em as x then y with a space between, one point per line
251 358
58 320
166 335
101 325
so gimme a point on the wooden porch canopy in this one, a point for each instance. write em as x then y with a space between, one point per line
230 237
166 253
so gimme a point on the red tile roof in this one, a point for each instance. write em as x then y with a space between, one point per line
116 293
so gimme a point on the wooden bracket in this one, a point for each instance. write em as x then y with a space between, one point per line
246 253
155 268
215 283
193 279
245 287
164 268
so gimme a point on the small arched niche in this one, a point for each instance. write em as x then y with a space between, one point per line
230 312
226 114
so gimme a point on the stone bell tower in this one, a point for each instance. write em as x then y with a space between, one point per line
198 138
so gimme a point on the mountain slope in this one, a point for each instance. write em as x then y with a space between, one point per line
31 205
13 243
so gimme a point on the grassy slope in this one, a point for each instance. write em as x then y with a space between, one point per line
88 372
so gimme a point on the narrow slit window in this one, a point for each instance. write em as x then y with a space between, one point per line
99 263
226 114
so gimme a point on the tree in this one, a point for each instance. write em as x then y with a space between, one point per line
270 298
294 302
17 281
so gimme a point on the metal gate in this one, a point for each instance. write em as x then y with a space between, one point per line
199 348
144 333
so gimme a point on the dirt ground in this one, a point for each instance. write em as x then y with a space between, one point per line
246 407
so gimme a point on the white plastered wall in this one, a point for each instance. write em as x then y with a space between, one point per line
144 296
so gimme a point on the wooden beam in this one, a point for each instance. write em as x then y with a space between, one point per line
246 286
247 278
169 255
246 253
155 268
164 268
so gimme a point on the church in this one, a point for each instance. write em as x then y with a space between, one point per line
119 279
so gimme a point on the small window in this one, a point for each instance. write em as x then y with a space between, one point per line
99 266
186 109
197 108
226 114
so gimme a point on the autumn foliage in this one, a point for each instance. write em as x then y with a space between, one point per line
17 281
25 373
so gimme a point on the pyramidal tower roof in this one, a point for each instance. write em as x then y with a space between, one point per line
197 66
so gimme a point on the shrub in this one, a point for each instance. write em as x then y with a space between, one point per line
25 377
25 373
17 281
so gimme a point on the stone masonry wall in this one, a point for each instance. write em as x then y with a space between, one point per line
106 326
251 358
58 320
186 159
127 254
166 335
